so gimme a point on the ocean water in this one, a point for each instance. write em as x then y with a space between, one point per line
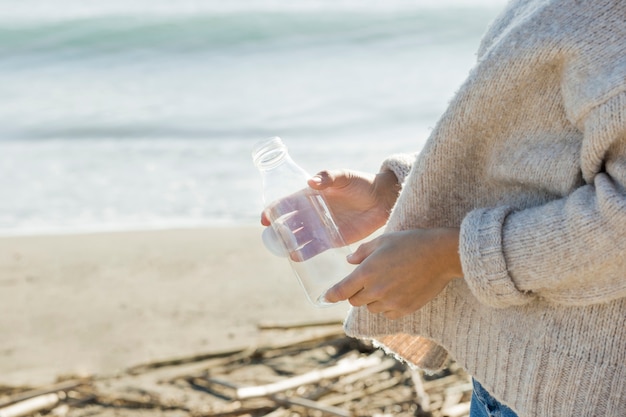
134 114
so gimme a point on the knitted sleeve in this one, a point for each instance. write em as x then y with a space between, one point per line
399 164
570 251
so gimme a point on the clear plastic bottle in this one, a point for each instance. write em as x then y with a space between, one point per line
302 227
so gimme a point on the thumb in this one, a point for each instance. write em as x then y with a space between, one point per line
326 179
353 283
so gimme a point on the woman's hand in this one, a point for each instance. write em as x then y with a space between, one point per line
360 202
400 272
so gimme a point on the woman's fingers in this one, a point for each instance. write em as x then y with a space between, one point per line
362 252
344 290
354 286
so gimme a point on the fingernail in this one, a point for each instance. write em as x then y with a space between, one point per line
317 180
324 300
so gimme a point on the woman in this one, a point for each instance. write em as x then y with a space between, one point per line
505 240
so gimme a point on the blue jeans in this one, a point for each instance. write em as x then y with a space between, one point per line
484 405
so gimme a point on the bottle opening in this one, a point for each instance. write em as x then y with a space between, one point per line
269 152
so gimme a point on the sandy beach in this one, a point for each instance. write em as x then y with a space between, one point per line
94 303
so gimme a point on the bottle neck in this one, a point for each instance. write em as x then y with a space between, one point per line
269 154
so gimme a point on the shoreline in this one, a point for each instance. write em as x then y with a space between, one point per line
123 228
97 302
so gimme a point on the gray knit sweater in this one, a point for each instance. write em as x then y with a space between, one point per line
529 161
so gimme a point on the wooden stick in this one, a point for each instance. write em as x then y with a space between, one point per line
61 386
462 388
342 368
423 399
440 382
385 364
285 400
301 325
60 411
30 406
141 401
240 411
138 369
355 395
456 410
313 405
227 354
279 412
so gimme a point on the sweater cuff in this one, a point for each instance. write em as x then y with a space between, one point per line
399 164
482 257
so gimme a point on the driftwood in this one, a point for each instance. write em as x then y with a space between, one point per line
312 405
272 390
301 325
456 410
146 367
297 374
30 406
312 377
423 398
48 389
235 354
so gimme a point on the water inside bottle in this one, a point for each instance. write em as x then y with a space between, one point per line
316 250
319 273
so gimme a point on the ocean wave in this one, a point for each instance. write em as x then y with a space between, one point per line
17 11
153 131
222 32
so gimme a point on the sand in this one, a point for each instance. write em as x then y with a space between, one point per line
96 303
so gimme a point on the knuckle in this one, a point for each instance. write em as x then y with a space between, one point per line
373 309
392 315
340 292
377 293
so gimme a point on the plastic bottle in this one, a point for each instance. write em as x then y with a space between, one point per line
302 227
